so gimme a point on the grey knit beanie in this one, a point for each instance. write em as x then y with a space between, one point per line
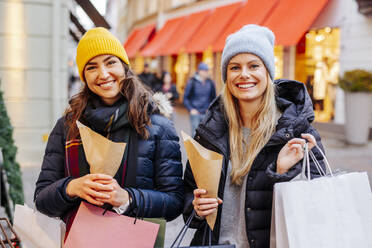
250 39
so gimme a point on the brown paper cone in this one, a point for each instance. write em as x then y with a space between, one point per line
103 155
206 167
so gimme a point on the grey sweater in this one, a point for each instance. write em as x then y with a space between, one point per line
233 217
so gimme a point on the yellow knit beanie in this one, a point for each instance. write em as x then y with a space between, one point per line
98 41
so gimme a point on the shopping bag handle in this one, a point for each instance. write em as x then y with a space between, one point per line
182 233
184 229
306 163
138 207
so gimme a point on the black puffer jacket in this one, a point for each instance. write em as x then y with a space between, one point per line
159 174
297 114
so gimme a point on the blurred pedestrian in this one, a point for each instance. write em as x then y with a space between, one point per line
114 103
168 88
146 76
260 127
199 93
157 80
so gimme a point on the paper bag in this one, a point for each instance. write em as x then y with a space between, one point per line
326 212
160 238
94 230
37 230
206 167
103 155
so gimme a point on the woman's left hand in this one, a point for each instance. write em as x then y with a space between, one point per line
118 195
293 152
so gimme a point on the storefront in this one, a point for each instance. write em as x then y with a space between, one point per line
309 56
318 66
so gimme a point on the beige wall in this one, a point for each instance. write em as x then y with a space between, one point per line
31 41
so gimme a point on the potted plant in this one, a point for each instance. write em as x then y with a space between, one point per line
357 85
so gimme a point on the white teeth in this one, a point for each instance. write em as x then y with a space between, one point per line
245 86
106 83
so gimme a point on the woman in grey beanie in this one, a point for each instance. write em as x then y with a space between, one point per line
259 126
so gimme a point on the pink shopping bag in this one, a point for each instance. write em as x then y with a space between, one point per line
92 229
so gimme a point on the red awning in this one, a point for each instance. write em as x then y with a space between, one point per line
130 37
252 12
292 18
184 33
213 26
137 39
162 37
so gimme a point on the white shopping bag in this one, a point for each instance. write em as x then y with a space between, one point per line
326 212
37 230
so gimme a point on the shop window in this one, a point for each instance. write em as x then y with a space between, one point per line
138 64
169 63
217 74
300 68
322 50
278 53
181 69
208 59
193 63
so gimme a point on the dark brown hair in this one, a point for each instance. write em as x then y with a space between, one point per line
131 88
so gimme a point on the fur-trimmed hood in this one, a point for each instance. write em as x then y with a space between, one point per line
162 104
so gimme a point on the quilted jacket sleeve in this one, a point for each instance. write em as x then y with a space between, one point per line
50 194
167 196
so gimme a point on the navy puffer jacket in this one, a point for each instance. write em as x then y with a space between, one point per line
297 113
159 174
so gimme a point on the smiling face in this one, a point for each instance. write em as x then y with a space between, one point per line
247 78
103 75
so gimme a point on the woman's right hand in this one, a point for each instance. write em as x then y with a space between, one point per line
204 206
87 188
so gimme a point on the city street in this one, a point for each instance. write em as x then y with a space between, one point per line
318 58
340 156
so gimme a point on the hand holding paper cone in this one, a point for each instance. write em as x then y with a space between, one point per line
103 155
206 167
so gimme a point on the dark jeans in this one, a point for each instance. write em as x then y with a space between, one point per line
195 120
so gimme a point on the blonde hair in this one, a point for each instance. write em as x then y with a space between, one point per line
262 125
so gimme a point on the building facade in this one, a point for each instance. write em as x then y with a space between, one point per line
37 52
316 41
355 40
33 70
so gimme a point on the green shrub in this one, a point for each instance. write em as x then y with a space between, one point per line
356 81
10 166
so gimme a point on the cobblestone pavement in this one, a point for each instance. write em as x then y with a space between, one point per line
340 155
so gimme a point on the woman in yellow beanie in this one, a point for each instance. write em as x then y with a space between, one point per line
114 103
